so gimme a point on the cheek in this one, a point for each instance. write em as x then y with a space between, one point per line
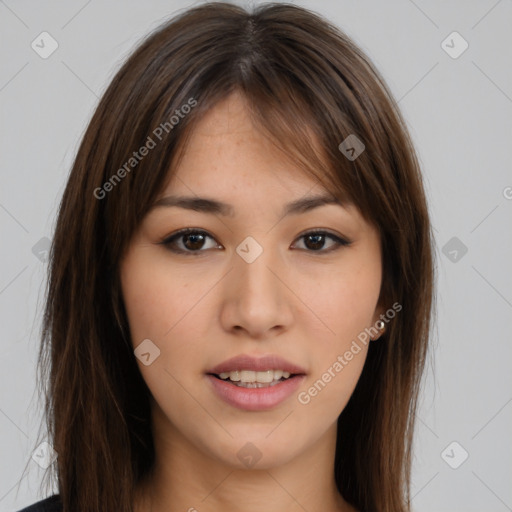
155 298
167 307
340 355
343 301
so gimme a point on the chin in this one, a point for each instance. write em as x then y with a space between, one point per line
255 449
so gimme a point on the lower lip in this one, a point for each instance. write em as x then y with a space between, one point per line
255 399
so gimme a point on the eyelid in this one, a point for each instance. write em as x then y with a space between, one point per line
341 241
167 241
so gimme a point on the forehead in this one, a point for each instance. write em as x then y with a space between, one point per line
230 167
226 152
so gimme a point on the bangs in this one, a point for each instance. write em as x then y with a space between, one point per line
289 126
285 113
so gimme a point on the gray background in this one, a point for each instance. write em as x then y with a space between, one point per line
459 114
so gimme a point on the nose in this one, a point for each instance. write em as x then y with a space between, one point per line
257 301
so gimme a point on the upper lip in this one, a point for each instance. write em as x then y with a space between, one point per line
257 364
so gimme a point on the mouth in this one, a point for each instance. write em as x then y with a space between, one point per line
255 384
251 379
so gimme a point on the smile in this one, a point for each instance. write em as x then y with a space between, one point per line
255 396
253 379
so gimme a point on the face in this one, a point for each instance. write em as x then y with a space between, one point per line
252 281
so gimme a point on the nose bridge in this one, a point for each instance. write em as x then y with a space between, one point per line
256 298
253 261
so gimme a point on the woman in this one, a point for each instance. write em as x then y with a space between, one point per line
241 279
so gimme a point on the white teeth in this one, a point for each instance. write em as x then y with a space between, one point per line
249 376
264 377
278 374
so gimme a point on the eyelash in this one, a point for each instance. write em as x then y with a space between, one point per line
170 240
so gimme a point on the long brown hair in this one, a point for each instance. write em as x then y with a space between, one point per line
305 81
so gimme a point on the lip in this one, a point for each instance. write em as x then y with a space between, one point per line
255 399
257 364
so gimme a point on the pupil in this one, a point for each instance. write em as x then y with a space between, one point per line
194 243
316 244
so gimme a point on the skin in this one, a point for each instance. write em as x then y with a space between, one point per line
199 310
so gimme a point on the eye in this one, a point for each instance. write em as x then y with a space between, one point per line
192 241
315 241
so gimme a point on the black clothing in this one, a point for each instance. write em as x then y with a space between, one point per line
51 504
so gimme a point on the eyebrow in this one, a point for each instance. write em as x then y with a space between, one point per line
206 205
